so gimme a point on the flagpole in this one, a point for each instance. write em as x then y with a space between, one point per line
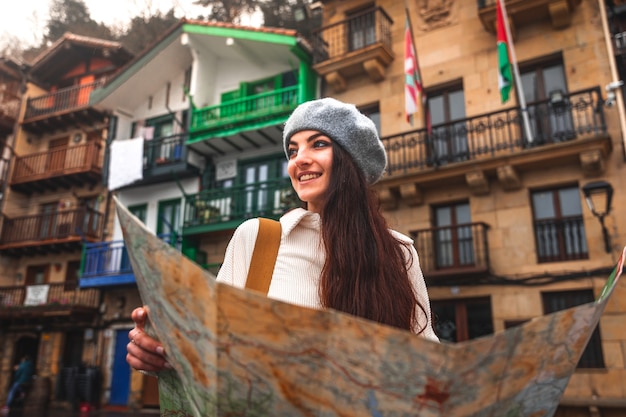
519 89
424 100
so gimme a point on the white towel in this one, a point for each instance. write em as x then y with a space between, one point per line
126 162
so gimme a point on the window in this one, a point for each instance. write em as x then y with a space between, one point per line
460 320
263 185
37 274
558 224
556 301
187 83
168 217
92 220
362 28
373 112
449 135
453 236
71 275
545 91
48 224
140 211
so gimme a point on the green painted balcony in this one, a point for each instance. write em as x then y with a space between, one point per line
253 112
227 208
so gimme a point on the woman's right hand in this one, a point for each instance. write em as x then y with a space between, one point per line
144 352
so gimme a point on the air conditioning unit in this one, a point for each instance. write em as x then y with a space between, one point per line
78 137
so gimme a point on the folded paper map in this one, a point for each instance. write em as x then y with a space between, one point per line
238 353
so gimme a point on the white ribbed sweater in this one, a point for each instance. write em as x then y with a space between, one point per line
299 262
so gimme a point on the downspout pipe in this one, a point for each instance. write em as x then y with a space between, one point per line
619 98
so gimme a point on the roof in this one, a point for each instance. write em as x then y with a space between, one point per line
63 54
277 31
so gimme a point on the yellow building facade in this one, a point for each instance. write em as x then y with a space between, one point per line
496 209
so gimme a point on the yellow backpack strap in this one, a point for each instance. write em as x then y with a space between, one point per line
264 256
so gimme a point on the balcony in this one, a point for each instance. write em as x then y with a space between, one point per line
48 302
61 231
355 46
243 123
4 171
568 129
452 254
227 208
62 167
166 157
524 12
9 107
108 264
561 239
62 109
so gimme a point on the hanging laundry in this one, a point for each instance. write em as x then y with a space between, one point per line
126 162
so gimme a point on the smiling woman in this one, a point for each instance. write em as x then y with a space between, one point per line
337 252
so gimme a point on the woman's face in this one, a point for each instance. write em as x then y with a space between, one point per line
310 166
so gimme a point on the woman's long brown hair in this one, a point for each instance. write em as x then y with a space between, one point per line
365 273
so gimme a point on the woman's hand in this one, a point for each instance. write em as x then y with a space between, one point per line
144 353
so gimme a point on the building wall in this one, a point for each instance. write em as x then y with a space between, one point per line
460 49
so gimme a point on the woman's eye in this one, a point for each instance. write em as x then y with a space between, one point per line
291 152
320 144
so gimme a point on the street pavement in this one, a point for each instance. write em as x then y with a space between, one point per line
51 412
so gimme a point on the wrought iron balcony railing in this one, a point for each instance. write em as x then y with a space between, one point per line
561 239
49 296
48 227
103 259
63 100
164 151
359 31
248 109
564 117
268 198
453 250
57 162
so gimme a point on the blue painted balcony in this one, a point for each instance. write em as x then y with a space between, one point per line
107 263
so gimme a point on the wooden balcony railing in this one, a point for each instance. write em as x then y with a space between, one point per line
52 226
453 251
268 198
4 171
58 162
255 108
15 300
61 101
561 239
566 117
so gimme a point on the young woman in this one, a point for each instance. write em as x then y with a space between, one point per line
338 252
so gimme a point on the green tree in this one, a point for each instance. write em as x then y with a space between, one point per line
72 16
144 30
229 11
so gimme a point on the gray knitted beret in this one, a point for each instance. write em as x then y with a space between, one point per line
344 124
